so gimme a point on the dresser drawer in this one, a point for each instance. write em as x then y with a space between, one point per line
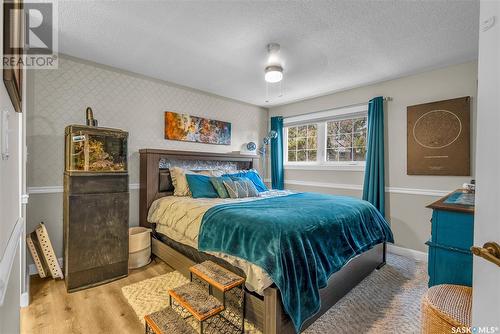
453 229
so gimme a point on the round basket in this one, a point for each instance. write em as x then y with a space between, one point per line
139 247
445 307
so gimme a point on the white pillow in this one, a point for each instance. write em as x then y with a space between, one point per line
181 187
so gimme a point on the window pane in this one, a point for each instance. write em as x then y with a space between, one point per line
330 142
360 124
312 143
301 155
343 140
345 154
312 130
332 155
332 127
301 143
359 154
302 131
311 155
359 139
292 132
345 126
292 156
292 144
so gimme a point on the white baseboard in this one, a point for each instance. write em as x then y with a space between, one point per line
32 268
407 252
25 299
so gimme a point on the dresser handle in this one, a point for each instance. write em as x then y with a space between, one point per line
490 252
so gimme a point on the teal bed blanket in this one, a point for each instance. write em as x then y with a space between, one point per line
300 240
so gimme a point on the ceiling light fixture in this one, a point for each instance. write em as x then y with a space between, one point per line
274 73
274 70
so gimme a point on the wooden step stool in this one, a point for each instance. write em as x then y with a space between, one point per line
167 321
229 284
196 298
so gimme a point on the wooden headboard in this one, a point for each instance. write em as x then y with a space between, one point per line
155 179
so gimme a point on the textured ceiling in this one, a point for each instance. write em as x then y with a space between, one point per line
219 46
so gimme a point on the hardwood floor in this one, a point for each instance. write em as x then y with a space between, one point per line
102 309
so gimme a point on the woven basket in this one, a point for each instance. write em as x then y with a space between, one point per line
445 307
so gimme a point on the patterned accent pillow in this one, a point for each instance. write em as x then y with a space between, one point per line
218 184
240 187
253 176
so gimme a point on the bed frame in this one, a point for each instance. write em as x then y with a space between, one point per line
265 312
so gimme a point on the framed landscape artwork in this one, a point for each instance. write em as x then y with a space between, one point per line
185 127
438 138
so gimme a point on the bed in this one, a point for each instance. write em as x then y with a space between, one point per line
266 276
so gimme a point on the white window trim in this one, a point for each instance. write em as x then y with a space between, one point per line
320 118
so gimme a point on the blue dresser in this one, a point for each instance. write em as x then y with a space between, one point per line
450 258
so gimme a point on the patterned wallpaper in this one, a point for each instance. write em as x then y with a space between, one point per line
122 100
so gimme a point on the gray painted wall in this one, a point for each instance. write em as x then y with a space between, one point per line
406 212
122 100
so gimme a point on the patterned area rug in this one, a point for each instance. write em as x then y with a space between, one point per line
387 301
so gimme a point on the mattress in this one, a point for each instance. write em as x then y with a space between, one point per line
199 257
178 221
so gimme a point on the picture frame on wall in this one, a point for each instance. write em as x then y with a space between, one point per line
13 41
185 127
438 138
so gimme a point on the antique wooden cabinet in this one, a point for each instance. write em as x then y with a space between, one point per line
96 206
450 258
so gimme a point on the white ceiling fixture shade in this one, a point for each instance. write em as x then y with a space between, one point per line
273 74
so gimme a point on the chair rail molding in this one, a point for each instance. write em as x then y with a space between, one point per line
8 257
345 186
60 189
359 187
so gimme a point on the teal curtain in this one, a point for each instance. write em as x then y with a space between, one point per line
277 172
374 185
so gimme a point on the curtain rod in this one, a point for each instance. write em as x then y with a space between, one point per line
386 99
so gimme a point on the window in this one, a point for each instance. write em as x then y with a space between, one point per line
328 139
346 139
302 143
